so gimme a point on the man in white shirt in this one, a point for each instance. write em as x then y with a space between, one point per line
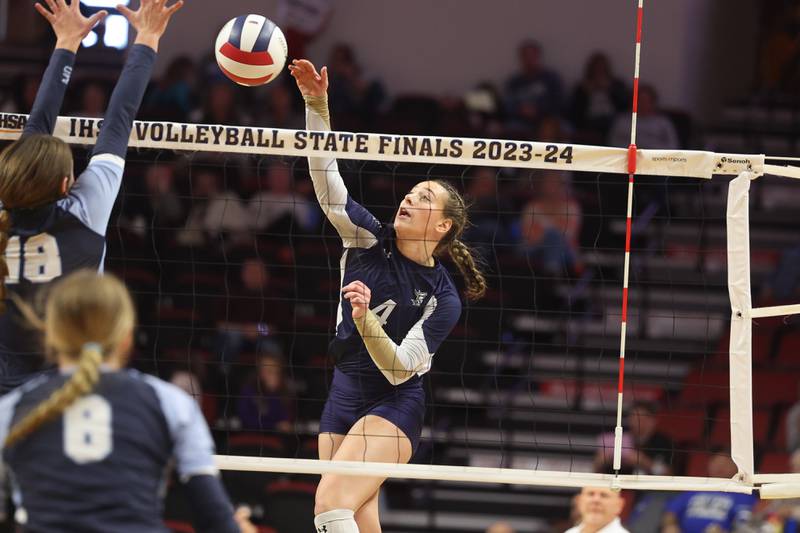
599 509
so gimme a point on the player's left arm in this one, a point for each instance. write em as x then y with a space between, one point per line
70 28
399 363
92 197
193 450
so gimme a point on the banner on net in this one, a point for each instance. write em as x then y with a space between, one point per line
401 148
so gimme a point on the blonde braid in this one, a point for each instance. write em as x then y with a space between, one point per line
80 384
464 260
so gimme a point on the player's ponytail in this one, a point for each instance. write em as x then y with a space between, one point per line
82 382
5 226
473 277
88 318
32 170
462 255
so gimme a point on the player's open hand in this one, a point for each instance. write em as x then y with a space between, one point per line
69 25
359 297
309 81
151 19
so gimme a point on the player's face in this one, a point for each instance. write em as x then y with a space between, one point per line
421 213
599 506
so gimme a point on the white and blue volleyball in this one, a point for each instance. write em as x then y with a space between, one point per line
251 50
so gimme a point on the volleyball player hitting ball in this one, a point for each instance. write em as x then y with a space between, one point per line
50 223
398 305
90 448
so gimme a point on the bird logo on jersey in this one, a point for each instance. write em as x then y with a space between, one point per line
419 297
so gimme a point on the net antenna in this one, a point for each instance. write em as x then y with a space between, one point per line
628 225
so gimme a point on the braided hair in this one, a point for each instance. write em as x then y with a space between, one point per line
462 255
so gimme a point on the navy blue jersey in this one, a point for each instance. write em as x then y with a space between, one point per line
102 465
417 305
56 239
47 243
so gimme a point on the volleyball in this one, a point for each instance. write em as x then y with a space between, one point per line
251 50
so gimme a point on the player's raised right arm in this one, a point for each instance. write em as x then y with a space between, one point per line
93 195
70 28
355 225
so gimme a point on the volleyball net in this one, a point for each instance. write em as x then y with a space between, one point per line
218 236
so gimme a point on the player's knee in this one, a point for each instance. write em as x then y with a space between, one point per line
331 495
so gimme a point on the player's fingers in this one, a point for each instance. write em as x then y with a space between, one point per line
126 12
97 17
44 12
61 4
174 7
52 5
324 74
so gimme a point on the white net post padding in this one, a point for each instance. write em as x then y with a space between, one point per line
741 379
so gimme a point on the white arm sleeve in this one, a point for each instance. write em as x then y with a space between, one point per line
355 225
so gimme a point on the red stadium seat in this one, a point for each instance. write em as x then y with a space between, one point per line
290 505
774 463
683 425
705 388
772 388
721 431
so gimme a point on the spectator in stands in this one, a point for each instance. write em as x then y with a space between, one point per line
654 129
781 515
173 97
485 112
779 53
783 286
220 105
704 512
490 211
248 314
302 21
534 92
158 208
653 450
23 93
500 527
277 203
551 224
355 100
279 111
265 402
214 212
793 426
599 509
94 98
596 100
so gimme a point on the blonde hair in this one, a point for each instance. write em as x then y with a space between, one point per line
31 171
88 317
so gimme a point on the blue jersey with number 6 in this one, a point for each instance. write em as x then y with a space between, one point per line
103 464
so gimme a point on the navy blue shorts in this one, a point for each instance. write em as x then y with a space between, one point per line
350 399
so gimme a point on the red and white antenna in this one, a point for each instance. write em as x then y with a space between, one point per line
626 274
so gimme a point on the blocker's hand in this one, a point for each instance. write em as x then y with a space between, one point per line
359 297
309 81
69 25
150 20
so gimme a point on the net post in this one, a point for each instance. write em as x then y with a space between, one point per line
741 366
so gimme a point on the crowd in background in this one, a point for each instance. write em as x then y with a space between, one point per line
213 208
